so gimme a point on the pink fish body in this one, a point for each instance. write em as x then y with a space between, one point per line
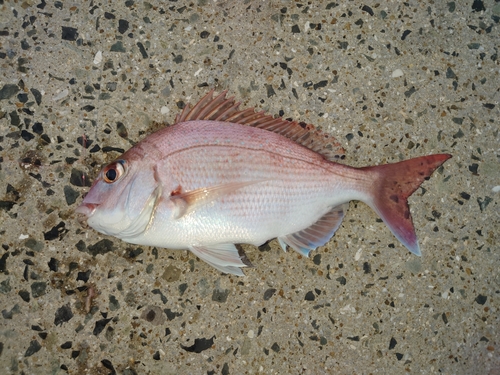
222 176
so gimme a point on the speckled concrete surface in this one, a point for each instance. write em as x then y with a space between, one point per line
82 81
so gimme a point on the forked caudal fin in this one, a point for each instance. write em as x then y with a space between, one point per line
389 194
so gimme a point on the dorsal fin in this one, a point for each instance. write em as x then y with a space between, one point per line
225 109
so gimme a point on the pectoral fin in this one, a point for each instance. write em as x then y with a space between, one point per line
317 234
188 201
225 257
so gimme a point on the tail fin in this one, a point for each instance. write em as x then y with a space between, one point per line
389 194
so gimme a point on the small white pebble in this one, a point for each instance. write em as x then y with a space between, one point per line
164 110
358 254
347 309
23 236
397 73
98 58
198 72
496 189
250 334
60 95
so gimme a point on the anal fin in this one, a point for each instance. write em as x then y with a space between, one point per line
224 257
316 235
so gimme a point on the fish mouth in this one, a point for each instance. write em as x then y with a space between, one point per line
85 210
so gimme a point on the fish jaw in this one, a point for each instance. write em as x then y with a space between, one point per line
87 208
99 216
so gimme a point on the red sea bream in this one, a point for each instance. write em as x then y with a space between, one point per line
221 176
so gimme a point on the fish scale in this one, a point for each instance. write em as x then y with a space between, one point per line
257 208
222 176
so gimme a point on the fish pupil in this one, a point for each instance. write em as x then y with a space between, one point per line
111 174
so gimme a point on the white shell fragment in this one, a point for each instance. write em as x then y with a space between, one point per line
98 58
397 73
60 95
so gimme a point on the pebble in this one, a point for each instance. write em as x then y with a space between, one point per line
98 58
60 95
397 73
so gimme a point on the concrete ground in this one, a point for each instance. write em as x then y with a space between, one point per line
82 81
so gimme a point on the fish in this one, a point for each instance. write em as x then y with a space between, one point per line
221 176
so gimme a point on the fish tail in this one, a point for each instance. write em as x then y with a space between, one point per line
393 184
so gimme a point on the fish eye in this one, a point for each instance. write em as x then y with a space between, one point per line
114 171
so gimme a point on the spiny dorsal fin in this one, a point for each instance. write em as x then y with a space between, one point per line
225 109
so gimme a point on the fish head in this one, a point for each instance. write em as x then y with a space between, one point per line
122 198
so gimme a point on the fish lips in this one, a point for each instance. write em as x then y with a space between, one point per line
85 210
